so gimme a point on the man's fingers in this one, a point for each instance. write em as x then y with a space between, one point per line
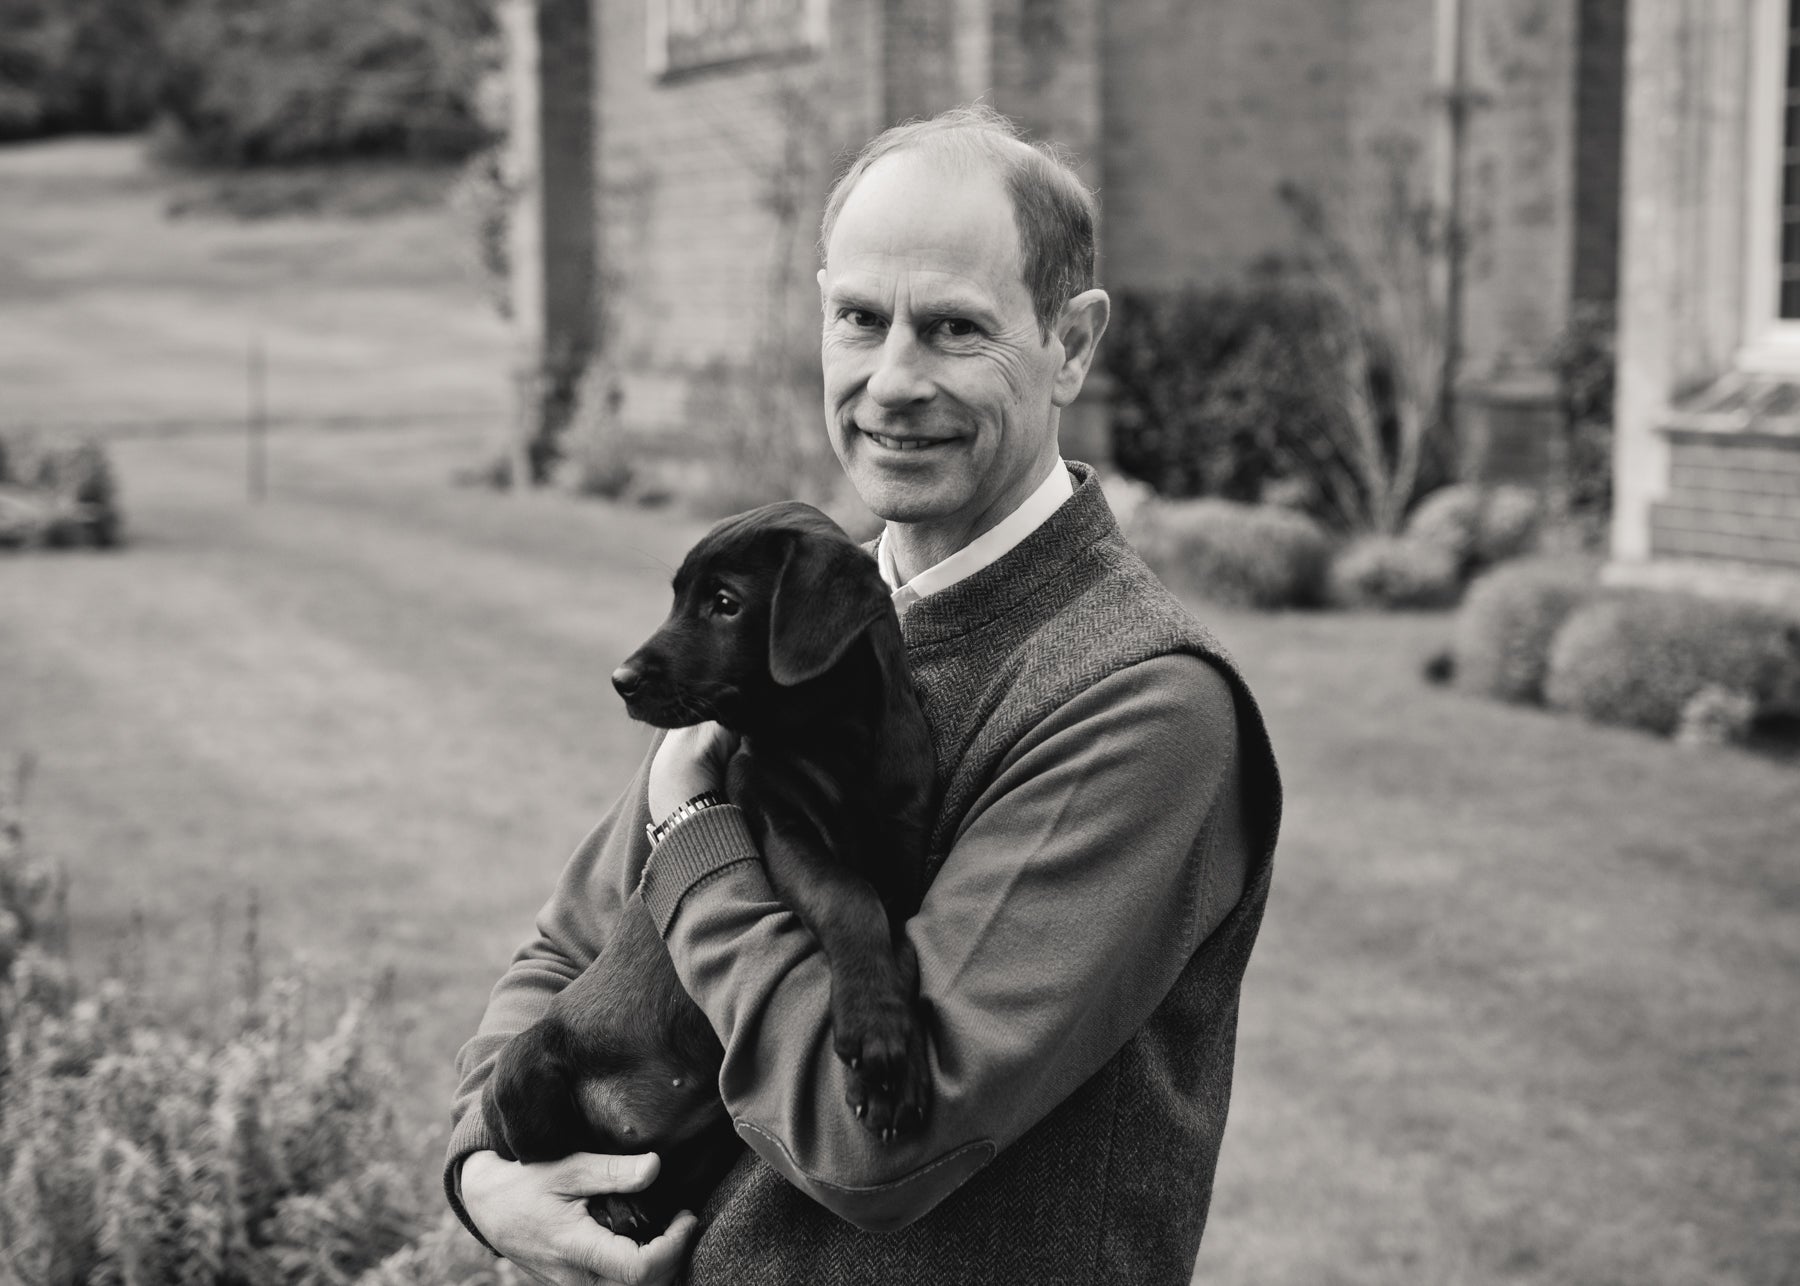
586 1174
619 1259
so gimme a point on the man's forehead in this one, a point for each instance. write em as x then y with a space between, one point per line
944 227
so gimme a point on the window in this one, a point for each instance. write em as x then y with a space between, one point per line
1772 284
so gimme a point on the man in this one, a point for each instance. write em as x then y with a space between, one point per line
1103 847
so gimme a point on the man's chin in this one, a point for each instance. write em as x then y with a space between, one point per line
902 499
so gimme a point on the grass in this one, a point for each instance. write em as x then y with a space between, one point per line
1522 1011
1522 1007
113 315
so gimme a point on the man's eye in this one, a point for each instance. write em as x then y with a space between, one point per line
861 318
724 604
959 327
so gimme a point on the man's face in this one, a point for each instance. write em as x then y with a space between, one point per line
938 386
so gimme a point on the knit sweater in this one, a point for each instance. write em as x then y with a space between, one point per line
1102 851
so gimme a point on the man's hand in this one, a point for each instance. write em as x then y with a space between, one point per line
536 1216
689 761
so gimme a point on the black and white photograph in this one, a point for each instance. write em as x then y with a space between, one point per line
917 642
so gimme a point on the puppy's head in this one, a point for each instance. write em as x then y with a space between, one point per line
767 600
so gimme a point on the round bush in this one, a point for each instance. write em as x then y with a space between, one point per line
1477 526
1640 659
1237 554
1508 621
1393 572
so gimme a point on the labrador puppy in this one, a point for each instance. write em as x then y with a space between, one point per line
783 632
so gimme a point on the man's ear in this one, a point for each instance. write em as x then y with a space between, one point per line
826 595
821 280
1082 323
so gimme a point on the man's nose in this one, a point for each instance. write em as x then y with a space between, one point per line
626 680
901 378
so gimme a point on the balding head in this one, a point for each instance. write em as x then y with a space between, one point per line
1052 208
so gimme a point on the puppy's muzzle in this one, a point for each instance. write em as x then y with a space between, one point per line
627 681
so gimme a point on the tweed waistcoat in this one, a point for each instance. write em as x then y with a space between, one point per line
1114 1184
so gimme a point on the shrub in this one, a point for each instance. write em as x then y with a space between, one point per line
57 496
1236 554
31 891
88 65
1509 620
1477 526
1393 572
131 1153
1205 382
1585 359
1640 659
254 83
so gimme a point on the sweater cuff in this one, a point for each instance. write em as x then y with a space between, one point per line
696 850
469 1136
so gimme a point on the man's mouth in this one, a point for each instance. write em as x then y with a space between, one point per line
903 444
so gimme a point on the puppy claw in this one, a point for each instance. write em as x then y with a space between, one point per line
860 1109
855 1063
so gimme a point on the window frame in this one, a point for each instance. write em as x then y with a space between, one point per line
1771 342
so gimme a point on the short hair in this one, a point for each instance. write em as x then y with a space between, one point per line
1054 211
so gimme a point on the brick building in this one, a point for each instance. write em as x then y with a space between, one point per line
676 153
1707 463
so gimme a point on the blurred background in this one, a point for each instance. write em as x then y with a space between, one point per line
366 365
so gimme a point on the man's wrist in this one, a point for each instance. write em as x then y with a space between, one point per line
658 831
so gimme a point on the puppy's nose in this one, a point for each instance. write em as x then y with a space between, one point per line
626 680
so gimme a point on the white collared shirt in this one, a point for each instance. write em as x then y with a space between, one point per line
986 548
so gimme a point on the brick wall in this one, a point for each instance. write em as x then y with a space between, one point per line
696 266
1731 496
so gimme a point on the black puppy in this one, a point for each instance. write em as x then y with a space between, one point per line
783 632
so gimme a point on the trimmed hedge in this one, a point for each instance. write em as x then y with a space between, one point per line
1477 526
1508 622
1394 572
1641 659
1235 554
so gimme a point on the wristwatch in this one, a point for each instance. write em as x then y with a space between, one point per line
699 803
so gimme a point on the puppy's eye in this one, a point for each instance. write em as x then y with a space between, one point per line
724 604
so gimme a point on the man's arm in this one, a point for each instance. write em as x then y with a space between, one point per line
1110 843
572 928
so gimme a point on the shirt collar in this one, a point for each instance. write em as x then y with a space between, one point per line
987 548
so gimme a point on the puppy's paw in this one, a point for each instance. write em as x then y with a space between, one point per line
888 1075
625 1214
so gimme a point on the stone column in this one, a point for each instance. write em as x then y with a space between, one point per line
1682 273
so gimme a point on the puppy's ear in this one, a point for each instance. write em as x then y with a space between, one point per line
826 595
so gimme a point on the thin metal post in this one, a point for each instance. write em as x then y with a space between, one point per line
257 427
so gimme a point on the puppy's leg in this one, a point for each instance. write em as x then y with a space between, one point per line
878 1031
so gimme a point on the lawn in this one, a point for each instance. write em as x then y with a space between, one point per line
1523 1010
112 314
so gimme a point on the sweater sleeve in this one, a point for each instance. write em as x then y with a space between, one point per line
572 928
1109 844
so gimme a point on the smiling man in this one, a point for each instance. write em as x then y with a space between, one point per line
1101 849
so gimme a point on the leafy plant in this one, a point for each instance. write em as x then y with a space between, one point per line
87 65
1585 359
1385 344
1211 387
253 83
